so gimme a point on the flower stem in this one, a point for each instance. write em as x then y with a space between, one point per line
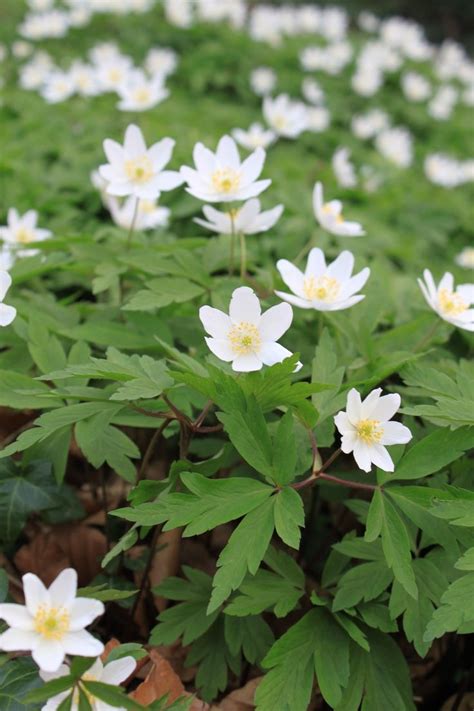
427 338
132 224
243 257
320 474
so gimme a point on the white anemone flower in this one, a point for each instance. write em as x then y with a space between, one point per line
7 313
323 287
221 176
21 231
147 216
139 93
452 305
285 117
134 169
245 336
263 80
343 168
113 673
247 220
465 258
329 216
366 429
255 137
52 621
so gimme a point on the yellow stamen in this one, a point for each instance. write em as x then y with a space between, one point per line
24 235
139 169
226 180
245 338
322 288
51 622
451 303
142 95
329 210
369 431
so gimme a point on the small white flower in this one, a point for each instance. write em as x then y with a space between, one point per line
221 176
368 125
111 673
148 215
256 137
247 220
134 169
58 86
396 145
444 170
311 91
113 72
52 621
415 86
285 117
263 80
465 258
321 287
366 428
246 337
318 118
7 313
343 168
21 231
329 216
161 61
454 306
138 93
84 78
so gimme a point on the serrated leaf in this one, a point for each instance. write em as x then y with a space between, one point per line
289 516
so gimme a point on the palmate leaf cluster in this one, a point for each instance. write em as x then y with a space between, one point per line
107 348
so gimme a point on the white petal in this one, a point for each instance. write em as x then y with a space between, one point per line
114 151
348 441
338 305
160 153
246 363
430 284
317 199
227 153
292 276
267 219
221 348
271 353
82 643
204 159
49 676
245 306
447 282
7 314
362 455
275 322
252 166
355 283
35 593
466 292
48 655
353 406
62 591
381 458
395 433
83 611
369 403
5 283
343 423
117 671
341 268
216 323
386 407
429 300
16 616
316 265
15 640
134 142
295 300
250 191
169 180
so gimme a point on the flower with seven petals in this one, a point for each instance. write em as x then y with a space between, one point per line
453 305
366 428
329 216
245 336
321 287
52 621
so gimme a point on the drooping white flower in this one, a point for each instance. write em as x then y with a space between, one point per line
343 168
246 337
452 305
52 621
395 144
465 258
329 216
134 169
285 117
139 93
366 429
263 80
113 673
247 220
255 137
221 176
21 231
148 215
7 313
323 287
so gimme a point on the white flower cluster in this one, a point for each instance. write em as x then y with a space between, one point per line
448 172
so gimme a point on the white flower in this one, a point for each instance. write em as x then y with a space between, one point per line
318 118
7 313
321 287
343 168
415 86
366 429
148 216
396 145
134 169
21 231
221 177
367 21
114 673
452 305
465 258
368 125
161 61
286 117
262 80
52 621
444 170
246 336
138 93
329 216
248 220
311 91
113 72
367 80
58 86
84 78
256 137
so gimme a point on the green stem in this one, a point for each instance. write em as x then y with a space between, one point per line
232 245
427 338
243 257
132 224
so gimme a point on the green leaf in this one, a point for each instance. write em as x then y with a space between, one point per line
396 548
326 372
466 561
289 516
18 679
214 657
363 582
51 688
284 451
244 552
22 392
102 442
45 348
374 523
97 592
456 610
112 695
251 636
22 493
434 452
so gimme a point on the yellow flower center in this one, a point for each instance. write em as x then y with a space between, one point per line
451 303
322 288
24 235
329 210
245 338
115 75
226 180
142 95
369 431
147 206
51 622
139 169
280 122
90 697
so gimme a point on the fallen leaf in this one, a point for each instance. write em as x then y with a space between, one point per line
241 699
160 680
166 562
